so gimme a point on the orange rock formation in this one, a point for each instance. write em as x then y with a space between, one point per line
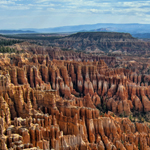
52 105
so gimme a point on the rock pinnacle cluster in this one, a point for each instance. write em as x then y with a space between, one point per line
71 105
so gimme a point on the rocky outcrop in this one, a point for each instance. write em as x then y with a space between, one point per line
53 105
100 42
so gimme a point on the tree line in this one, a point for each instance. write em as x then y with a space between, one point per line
8 42
4 43
7 50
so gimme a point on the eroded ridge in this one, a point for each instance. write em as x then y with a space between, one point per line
70 105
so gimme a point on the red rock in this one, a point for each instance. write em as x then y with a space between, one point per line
62 118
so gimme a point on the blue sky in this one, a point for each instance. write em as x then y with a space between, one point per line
18 14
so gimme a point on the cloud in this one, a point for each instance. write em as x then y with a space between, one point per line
93 6
118 7
4 2
79 10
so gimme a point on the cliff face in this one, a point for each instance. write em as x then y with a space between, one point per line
53 105
90 42
102 41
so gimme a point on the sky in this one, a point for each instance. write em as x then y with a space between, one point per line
19 14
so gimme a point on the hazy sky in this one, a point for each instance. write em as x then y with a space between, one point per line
17 14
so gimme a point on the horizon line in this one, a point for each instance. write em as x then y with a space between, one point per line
27 28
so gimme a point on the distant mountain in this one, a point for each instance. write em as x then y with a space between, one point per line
127 28
15 31
101 30
137 30
142 35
